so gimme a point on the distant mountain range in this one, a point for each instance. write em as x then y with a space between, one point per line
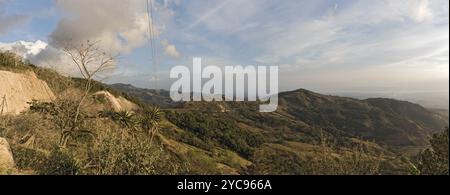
429 99
160 98
386 121
396 124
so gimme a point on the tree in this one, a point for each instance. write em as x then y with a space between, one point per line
90 61
434 160
61 112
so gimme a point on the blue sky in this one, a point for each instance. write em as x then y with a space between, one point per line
327 46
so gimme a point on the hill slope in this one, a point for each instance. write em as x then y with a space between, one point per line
17 89
386 121
159 98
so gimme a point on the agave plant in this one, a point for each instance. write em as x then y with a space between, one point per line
150 120
125 119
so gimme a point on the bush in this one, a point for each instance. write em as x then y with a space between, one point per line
114 155
434 161
60 162
30 129
26 158
12 62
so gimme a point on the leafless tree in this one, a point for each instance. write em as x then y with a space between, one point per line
90 61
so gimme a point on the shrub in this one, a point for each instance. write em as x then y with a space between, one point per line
26 158
62 112
434 161
12 62
60 162
116 155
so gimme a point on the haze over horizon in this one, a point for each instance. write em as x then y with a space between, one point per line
337 46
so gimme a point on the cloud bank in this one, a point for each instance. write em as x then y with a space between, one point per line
24 49
118 27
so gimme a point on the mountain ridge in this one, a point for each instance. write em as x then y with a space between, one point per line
388 121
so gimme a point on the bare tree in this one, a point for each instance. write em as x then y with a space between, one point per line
90 61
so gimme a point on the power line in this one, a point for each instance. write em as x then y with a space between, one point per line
151 32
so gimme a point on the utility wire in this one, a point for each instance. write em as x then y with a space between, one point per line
152 36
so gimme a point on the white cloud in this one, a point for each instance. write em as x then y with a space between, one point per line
23 48
170 49
120 27
42 54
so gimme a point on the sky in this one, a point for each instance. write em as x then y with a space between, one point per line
321 45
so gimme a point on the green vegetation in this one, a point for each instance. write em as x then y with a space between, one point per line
57 82
104 150
150 121
114 155
217 130
325 161
60 162
383 120
14 63
434 160
28 159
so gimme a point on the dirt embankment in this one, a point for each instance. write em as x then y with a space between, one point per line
6 158
117 103
17 89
